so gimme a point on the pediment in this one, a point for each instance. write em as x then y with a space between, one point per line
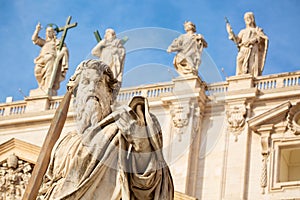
271 118
23 150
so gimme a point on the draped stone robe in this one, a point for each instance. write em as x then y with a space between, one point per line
253 44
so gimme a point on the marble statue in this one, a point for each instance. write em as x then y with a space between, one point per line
49 56
111 155
110 50
189 47
252 44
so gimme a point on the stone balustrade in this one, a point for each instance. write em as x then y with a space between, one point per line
156 91
220 87
53 104
277 81
149 91
13 108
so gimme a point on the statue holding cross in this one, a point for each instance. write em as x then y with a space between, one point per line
53 61
111 51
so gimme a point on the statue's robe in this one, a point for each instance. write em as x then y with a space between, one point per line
98 164
112 53
251 58
48 57
189 48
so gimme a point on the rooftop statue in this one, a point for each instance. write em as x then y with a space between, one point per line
110 50
111 155
252 45
52 63
189 47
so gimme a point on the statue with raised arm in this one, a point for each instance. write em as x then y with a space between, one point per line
252 45
111 155
111 51
189 47
49 56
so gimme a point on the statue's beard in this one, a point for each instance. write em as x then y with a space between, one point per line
90 110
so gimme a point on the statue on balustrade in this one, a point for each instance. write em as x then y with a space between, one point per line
252 45
49 56
52 63
111 51
189 47
111 155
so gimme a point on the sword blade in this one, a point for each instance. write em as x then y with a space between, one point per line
43 160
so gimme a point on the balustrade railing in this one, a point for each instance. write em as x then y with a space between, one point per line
54 104
2 111
149 91
155 91
220 87
277 81
15 108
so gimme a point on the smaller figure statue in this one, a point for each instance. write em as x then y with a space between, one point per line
110 50
252 45
189 47
49 56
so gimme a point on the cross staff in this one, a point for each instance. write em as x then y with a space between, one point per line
65 29
62 41
97 36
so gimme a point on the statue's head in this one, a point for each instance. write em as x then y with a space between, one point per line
50 32
249 19
94 93
12 161
189 26
110 34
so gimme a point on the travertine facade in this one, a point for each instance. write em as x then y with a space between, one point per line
237 139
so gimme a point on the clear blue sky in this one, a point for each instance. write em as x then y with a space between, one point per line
279 19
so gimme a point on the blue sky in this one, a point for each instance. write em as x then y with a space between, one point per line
279 19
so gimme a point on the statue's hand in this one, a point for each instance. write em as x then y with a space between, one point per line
228 28
38 27
125 121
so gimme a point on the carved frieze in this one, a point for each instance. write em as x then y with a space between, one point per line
14 176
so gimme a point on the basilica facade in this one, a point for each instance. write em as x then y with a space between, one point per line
236 139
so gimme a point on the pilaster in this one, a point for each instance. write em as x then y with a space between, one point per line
186 108
238 105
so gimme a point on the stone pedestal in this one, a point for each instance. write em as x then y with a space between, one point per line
187 84
240 82
41 92
38 100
